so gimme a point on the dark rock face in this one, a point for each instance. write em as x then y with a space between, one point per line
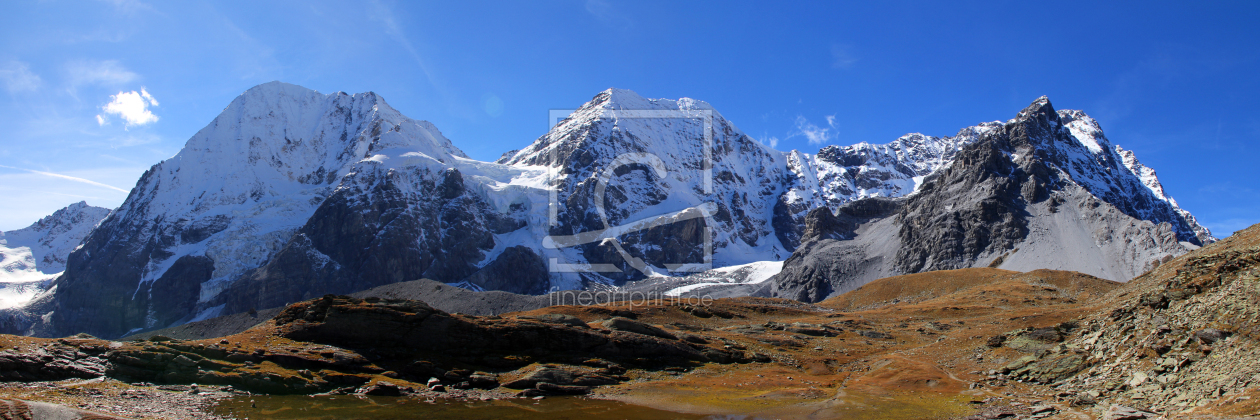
98 294
787 226
838 175
183 283
827 260
974 206
376 230
822 223
517 270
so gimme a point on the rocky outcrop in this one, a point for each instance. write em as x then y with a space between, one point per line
566 380
1177 338
412 326
66 359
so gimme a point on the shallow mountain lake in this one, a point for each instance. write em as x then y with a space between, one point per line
275 407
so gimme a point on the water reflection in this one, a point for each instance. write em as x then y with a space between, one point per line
264 407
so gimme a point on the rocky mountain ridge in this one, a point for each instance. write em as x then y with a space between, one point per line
1040 191
290 194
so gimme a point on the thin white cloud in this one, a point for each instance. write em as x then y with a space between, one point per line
769 140
814 134
68 177
842 56
106 73
381 12
604 11
129 6
131 106
132 139
17 77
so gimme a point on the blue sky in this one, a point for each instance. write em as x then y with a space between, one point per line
96 92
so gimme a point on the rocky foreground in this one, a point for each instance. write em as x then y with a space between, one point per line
975 343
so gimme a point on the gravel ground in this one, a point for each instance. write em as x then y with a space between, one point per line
122 399
146 401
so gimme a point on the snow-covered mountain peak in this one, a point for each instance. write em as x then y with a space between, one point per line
1073 142
1146 174
625 99
1085 129
48 241
1039 106
618 121
246 182
281 140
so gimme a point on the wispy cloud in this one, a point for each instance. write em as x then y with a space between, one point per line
1224 228
107 73
132 138
17 77
253 58
381 12
604 11
131 106
129 6
814 134
842 56
68 177
769 140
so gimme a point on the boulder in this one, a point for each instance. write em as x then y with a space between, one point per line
1120 412
562 319
629 325
560 376
382 389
